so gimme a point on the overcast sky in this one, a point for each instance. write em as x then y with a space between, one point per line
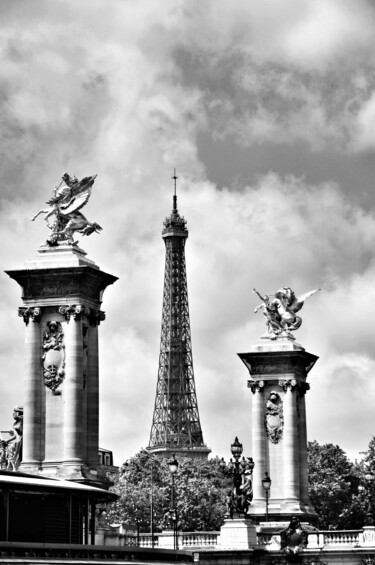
267 111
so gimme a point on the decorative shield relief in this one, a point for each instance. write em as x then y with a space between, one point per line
54 356
274 418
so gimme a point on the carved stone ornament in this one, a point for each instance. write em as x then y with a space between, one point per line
294 538
27 313
53 359
303 388
96 316
288 383
76 310
274 419
255 386
274 368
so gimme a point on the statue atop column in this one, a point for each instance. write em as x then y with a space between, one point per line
64 205
280 311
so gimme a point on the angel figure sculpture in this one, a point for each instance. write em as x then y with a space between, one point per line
67 199
280 310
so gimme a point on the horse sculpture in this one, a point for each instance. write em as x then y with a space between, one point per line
281 311
68 198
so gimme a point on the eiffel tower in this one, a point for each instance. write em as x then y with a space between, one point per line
175 426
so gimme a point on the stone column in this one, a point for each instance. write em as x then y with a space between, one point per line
258 437
33 388
304 483
96 316
290 441
74 433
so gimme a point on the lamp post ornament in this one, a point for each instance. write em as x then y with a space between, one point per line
239 499
173 468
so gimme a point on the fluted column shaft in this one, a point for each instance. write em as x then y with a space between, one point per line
33 387
290 443
73 388
258 439
93 391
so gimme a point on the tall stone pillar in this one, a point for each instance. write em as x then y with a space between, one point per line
93 386
74 450
62 295
32 403
279 368
291 442
259 441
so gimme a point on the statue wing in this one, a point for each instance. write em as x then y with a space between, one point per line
81 192
77 202
300 300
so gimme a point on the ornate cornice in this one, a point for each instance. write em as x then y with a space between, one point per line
75 310
69 283
255 386
27 313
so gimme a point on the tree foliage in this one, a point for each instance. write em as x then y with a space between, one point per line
199 493
342 492
334 487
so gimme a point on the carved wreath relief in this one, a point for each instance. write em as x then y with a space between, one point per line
274 418
54 356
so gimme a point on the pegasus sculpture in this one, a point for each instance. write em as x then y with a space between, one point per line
64 205
280 310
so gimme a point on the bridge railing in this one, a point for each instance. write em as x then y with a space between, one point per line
211 540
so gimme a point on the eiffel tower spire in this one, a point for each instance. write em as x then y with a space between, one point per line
175 426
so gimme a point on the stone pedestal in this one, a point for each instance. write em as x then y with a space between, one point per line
62 295
238 533
278 370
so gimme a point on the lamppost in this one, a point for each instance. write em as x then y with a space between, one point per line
173 468
242 473
266 482
152 506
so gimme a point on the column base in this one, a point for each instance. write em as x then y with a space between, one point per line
281 511
239 533
69 471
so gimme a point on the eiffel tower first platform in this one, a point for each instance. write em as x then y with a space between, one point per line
175 426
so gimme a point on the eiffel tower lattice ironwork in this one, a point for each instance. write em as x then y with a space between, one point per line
176 426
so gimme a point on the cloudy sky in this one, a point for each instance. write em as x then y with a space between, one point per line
267 111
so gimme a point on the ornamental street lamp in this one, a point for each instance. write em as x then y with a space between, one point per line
266 482
239 500
173 468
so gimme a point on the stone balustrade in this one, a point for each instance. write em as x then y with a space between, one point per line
343 539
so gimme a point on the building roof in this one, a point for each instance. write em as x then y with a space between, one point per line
12 480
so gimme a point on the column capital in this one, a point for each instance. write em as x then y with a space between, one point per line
75 310
255 386
27 313
96 316
303 388
291 384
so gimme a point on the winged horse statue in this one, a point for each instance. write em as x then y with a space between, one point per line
281 311
67 199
